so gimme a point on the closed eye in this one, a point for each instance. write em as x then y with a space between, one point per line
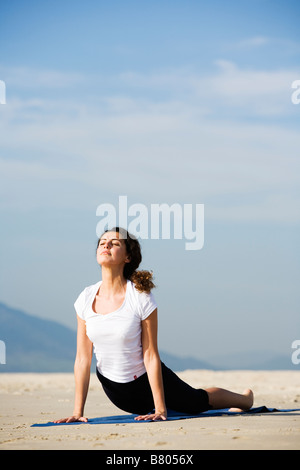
114 243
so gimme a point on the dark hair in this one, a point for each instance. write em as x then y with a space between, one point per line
142 279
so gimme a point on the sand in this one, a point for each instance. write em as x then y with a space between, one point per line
26 399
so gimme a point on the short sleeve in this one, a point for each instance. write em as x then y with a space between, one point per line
147 305
80 304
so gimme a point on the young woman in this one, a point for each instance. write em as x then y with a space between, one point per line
118 317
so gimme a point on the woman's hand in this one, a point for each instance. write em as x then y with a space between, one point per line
152 417
71 419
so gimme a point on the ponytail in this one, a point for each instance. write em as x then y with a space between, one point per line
143 281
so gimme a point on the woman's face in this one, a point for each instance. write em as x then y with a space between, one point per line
112 250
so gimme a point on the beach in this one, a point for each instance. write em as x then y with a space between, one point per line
27 399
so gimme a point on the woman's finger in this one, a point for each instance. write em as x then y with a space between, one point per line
71 419
151 417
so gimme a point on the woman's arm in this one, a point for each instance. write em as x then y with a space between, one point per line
82 369
153 367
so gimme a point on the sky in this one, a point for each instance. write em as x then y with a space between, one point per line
164 102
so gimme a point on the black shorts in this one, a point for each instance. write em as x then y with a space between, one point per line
136 396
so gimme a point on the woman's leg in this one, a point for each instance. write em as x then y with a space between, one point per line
180 396
220 398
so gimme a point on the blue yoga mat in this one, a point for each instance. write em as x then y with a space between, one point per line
172 415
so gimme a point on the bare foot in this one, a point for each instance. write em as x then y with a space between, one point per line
248 394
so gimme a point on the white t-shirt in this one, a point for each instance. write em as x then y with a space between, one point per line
116 336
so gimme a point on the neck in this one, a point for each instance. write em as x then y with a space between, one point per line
113 281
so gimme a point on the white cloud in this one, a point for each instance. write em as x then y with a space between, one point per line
127 143
236 82
255 41
32 78
252 92
281 45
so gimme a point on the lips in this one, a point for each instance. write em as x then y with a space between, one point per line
105 253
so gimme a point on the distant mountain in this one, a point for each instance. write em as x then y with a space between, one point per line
255 360
183 363
37 345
